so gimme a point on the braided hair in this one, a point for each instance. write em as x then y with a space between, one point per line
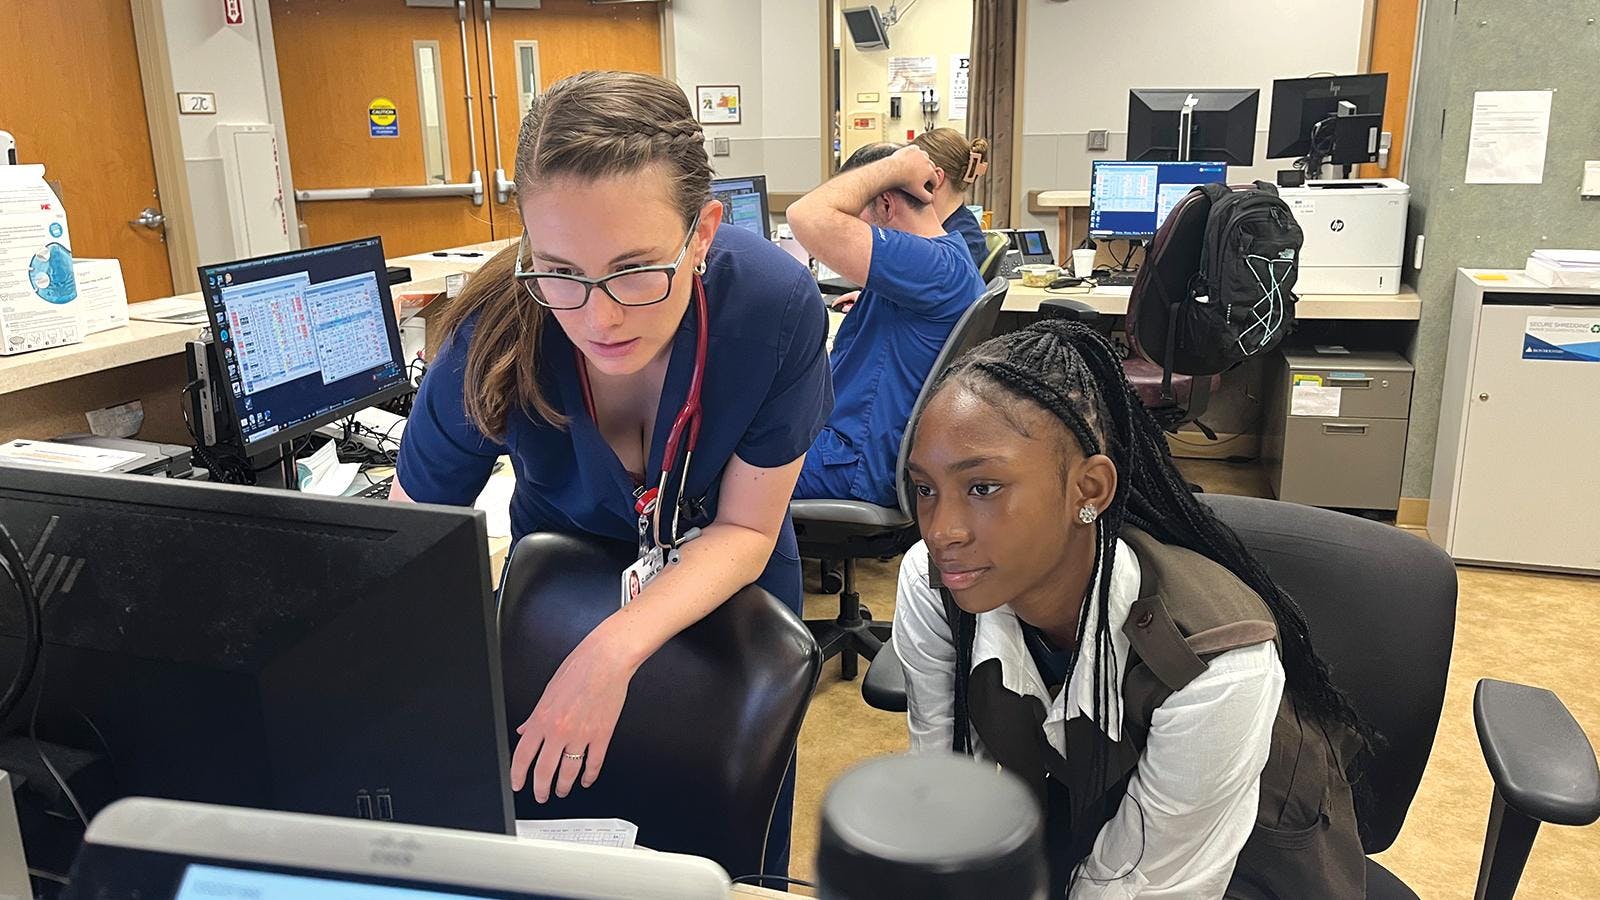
1074 373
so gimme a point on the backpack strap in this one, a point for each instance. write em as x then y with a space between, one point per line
963 632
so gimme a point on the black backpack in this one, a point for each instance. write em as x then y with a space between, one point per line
1217 284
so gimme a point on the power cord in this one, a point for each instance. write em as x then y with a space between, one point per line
757 879
16 569
32 668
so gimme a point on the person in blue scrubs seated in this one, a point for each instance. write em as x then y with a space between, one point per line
874 223
572 352
961 163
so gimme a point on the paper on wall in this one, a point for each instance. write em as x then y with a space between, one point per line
101 292
1307 399
960 66
908 74
1510 130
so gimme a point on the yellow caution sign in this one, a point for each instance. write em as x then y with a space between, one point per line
382 118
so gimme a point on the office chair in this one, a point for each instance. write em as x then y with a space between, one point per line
1381 604
848 530
711 719
998 244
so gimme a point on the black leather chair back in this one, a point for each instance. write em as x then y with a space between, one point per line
1381 604
711 719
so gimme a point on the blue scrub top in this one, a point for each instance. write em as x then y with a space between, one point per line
917 288
766 394
964 223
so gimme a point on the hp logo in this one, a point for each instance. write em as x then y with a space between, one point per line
1336 225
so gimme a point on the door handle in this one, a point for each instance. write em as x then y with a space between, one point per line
150 218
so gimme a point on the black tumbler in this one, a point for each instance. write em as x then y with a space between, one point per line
930 826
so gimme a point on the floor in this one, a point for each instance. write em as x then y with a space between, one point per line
1515 626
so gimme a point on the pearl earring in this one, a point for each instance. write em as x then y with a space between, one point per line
1087 514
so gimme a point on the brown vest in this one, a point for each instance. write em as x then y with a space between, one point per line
1190 609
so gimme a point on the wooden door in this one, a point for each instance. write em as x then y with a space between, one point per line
335 57
568 36
1394 46
70 93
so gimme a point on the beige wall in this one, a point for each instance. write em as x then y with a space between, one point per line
938 28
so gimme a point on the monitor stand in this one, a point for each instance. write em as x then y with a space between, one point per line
275 467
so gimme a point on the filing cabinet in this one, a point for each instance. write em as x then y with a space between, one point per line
1336 427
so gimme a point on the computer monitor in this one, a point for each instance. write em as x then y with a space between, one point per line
744 203
1131 199
164 850
305 338
866 26
250 647
1298 104
1222 125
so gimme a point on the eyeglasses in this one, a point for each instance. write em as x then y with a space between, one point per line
640 286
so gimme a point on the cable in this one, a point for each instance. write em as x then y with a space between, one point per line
753 879
32 621
33 735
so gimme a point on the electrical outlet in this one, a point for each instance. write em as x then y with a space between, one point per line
1099 139
721 147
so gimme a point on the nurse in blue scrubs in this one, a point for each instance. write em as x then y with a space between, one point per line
573 353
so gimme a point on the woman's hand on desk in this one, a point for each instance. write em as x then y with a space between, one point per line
575 716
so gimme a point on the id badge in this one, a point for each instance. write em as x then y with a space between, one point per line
638 576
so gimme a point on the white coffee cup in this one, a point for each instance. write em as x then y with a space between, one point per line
1082 262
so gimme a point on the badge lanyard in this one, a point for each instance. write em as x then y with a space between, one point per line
684 436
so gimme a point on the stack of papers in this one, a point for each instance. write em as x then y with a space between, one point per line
598 832
1565 268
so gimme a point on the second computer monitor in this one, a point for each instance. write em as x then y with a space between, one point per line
1298 104
744 202
304 338
1223 127
1131 199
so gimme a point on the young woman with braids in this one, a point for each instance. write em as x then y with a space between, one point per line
1075 615
573 352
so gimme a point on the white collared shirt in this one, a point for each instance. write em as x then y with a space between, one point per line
1191 803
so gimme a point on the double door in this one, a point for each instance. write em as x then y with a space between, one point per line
402 117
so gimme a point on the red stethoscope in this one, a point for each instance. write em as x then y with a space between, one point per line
686 425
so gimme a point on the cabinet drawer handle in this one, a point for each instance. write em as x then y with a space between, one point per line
1350 381
1342 428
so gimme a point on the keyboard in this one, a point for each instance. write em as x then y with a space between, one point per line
1116 279
378 490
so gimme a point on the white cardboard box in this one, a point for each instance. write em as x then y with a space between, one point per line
38 290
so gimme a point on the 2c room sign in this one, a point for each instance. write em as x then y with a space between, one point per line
382 118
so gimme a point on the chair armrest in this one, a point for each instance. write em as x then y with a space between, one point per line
885 685
1068 308
1540 759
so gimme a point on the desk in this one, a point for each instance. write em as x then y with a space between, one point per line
1064 203
1402 307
